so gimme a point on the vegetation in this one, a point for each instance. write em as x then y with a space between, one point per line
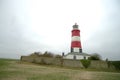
45 54
116 64
49 77
85 63
3 64
48 54
36 54
95 56
58 56
16 70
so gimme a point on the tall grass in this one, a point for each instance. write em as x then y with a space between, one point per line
49 77
15 70
106 76
3 64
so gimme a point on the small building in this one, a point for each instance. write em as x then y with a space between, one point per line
76 48
76 56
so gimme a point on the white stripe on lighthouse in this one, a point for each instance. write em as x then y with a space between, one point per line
75 28
75 38
76 49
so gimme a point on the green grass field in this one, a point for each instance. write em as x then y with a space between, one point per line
16 70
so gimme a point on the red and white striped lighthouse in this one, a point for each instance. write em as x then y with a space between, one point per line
76 43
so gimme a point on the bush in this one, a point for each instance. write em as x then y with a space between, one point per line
58 56
48 54
116 64
36 54
85 63
95 56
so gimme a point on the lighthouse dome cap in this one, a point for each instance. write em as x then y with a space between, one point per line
75 25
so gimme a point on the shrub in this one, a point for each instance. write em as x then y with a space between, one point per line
85 63
95 56
48 54
35 54
58 56
116 64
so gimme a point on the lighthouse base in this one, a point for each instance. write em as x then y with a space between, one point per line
78 50
76 56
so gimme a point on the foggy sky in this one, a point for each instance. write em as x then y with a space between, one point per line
27 26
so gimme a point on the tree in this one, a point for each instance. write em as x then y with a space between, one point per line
95 56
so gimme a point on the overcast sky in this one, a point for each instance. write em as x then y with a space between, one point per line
28 26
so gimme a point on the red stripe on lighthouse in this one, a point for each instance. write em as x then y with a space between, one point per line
76 44
75 32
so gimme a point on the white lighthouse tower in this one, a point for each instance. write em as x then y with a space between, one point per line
76 47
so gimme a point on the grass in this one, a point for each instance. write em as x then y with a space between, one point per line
3 63
49 77
16 70
107 76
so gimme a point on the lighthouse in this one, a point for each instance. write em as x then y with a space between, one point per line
76 52
76 42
